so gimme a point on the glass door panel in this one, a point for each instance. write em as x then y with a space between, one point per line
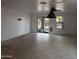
39 25
46 25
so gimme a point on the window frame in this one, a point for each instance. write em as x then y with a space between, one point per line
61 22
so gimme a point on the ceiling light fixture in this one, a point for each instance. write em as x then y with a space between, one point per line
43 2
43 5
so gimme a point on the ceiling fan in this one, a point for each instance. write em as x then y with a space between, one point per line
51 13
53 9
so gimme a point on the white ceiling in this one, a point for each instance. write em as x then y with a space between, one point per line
33 5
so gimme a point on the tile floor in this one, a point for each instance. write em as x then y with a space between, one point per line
43 46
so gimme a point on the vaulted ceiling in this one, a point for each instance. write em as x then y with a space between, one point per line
34 6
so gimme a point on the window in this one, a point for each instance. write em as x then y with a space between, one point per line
59 22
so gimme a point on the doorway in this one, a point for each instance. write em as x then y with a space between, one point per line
43 25
46 25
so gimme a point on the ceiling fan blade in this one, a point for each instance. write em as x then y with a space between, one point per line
58 10
54 9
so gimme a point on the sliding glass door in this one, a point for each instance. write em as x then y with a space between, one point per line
46 25
43 25
39 25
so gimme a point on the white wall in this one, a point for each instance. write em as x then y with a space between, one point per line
10 26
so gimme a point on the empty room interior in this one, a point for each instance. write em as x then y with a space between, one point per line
38 29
